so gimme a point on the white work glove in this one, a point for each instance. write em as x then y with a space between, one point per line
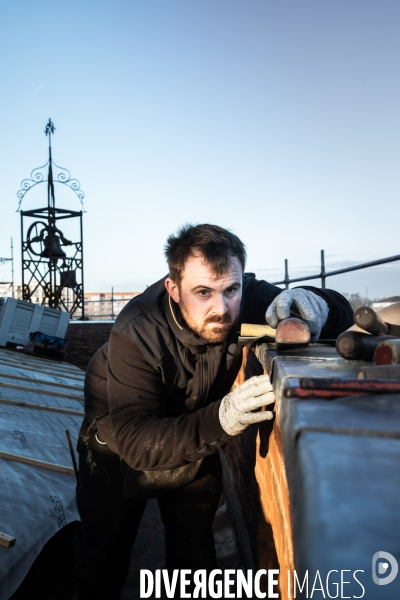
235 409
312 309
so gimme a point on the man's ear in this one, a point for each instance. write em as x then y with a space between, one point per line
172 289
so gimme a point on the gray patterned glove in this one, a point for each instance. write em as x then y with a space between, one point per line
235 409
313 309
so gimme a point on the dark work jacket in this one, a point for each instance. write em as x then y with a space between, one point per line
163 385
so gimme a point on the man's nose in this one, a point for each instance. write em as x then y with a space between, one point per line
220 306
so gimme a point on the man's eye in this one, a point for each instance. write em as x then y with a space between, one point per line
203 293
231 290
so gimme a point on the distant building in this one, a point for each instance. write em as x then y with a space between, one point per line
5 290
99 306
379 305
105 306
384 302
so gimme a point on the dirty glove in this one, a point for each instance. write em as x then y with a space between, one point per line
312 309
235 409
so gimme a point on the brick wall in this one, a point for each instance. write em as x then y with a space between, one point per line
257 491
254 531
270 474
83 339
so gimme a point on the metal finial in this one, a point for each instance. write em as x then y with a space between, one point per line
49 127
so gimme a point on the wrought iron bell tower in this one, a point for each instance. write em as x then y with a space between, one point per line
52 265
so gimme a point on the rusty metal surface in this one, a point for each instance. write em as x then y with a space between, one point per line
292 331
342 467
267 354
332 388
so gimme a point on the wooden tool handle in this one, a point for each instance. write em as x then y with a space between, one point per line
366 318
369 320
250 330
380 372
390 314
289 332
353 345
387 352
394 329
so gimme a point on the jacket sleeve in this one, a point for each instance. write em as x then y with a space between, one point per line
259 294
146 438
340 315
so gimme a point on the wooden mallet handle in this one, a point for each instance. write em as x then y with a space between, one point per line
366 318
388 352
371 321
256 331
354 345
291 331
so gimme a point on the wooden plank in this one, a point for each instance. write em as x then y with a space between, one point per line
25 388
37 463
46 368
6 540
27 356
41 365
74 377
38 363
45 381
66 411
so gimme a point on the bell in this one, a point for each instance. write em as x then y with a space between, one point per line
56 250
68 279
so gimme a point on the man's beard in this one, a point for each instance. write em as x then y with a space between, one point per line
216 334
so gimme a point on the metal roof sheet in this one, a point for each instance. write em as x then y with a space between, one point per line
39 400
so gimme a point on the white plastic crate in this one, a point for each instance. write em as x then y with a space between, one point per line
19 318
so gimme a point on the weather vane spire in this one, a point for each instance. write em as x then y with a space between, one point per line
51 262
49 128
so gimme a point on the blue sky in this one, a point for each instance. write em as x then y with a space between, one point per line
278 119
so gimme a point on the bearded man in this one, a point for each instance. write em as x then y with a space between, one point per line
159 407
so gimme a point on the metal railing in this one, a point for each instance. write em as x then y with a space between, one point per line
108 306
324 274
4 261
105 308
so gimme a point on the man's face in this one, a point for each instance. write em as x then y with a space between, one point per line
209 304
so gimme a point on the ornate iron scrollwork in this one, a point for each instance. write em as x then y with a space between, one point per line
60 175
55 174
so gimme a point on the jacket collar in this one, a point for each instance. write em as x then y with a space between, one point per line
185 335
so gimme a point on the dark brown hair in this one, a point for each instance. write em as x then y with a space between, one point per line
215 244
